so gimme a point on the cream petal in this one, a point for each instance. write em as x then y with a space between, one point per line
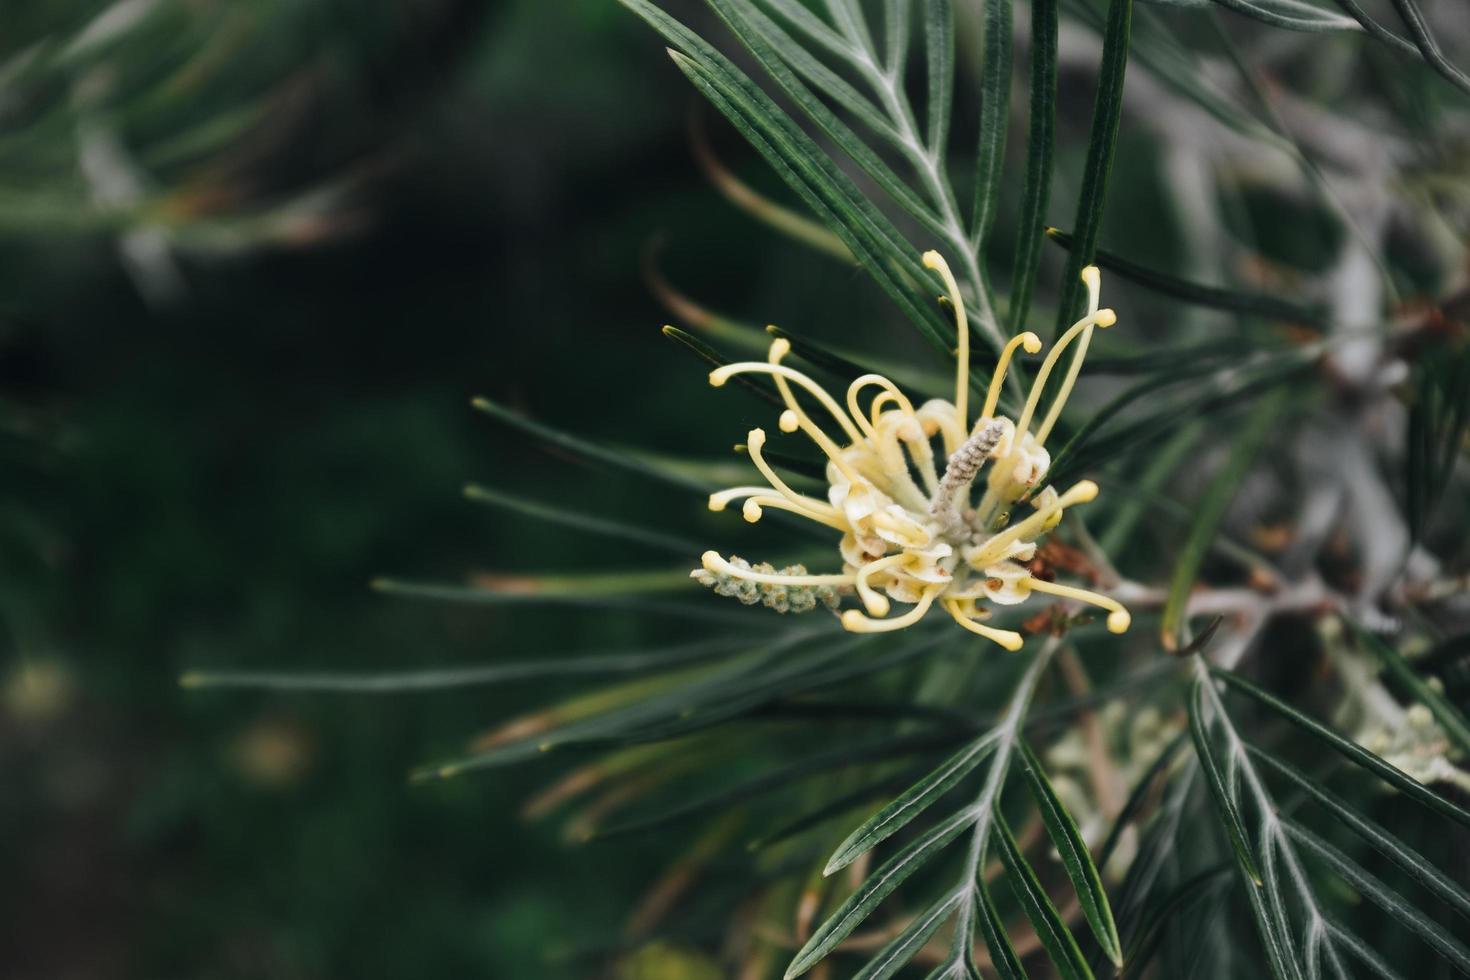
1005 583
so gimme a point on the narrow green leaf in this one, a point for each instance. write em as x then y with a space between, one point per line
784 220
828 82
780 683
907 944
1228 390
1055 938
896 17
589 451
1208 514
1413 19
1221 352
853 23
1262 888
1036 188
710 356
1177 65
1163 913
1384 897
1354 752
1213 297
1107 110
876 887
820 183
1278 956
799 165
838 758
1062 830
699 699
1362 951
1138 796
995 104
1158 840
1292 15
610 591
1411 861
1002 954
775 50
579 521
1225 803
1278 922
939 45
813 27
912 802
1377 30
1184 372
1167 456
843 366
1447 715
836 806
440 678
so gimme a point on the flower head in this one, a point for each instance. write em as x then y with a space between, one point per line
911 531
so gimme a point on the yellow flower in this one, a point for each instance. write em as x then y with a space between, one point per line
911 533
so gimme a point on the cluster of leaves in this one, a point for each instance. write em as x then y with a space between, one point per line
177 127
919 724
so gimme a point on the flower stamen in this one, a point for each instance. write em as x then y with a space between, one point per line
1094 317
1119 618
995 549
755 441
1009 639
753 509
933 260
876 604
856 622
719 376
1028 340
1103 319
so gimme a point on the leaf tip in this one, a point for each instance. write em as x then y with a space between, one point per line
428 774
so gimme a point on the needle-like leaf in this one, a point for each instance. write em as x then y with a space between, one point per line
1055 938
1107 111
912 802
1067 839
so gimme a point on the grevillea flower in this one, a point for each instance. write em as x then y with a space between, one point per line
912 533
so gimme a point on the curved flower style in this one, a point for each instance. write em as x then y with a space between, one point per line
909 532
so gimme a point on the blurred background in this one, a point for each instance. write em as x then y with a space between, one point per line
255 260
